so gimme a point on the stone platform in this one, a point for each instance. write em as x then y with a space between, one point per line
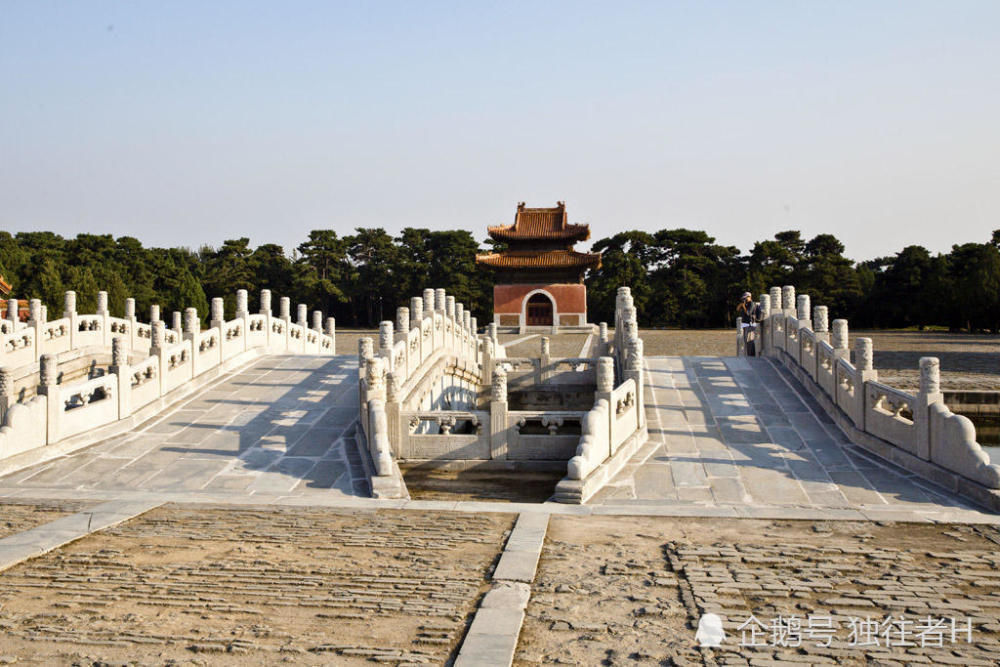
737 435
281 426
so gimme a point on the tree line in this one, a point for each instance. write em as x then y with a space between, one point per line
679 277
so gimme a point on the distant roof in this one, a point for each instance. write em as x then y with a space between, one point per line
546 259
540 224
4 286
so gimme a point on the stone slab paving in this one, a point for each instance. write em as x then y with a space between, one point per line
17 516
631 590
735 433
281 426
43 538
493 636
254 585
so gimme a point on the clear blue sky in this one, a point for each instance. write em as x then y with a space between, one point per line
185 123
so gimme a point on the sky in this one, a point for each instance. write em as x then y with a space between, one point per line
187 123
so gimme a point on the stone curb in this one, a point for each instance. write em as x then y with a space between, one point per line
492 637
666 508
42 539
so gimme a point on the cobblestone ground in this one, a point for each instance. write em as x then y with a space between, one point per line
199 585
616 590
20 516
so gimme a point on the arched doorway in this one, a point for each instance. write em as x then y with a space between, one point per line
539 310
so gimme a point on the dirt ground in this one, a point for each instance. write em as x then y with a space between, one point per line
17 516
560 345
630 590
520 487
254 586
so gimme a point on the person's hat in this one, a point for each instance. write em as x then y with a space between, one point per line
746 294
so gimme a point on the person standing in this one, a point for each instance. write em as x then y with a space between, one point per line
749 311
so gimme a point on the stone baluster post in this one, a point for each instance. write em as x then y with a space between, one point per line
402 322
777 321
192 325
265 310
6 392
35 311
154 313
839 342
788 300
176 324
48 386
839 339
12 315
302 319
243 314
242 304
392 417
157 348
605 376
802 312
45 313
821 323
331 331
764 327
265 302
449 329
103 314
218 322
740 345
865 372
929 394
474 337
366 350
317 328
416 312
602 340
428 302
385 342
217 318
498 414
544 359
285 315
69 312
440 300
634 371
131 320
123 374
374 373
36 323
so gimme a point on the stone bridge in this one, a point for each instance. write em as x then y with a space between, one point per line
260 410
273 416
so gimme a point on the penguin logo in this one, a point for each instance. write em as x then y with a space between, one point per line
710 633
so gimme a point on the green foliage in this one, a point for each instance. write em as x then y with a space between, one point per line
679 277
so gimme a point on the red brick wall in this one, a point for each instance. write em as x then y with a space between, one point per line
570 298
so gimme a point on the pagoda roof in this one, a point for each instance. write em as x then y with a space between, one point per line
540 224
546 259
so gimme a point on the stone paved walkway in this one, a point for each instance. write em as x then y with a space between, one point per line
281 426
739 433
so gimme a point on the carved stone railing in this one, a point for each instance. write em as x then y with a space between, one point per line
431 355
144 376
916 431
615 428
